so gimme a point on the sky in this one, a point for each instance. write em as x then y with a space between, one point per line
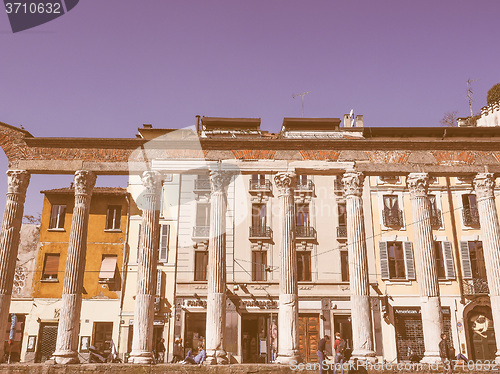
106 67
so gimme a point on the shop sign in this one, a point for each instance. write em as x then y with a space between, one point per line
262 304
195 303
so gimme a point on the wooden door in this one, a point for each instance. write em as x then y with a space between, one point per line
309 337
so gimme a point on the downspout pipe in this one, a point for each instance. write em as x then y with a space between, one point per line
126 253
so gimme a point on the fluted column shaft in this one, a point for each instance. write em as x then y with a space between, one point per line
216 272
18 181
484 185
142 338
69 320
361 317
288 314
430 303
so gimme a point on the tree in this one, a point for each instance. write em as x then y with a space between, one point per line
449 119
493 94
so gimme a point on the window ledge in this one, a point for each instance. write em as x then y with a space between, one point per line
106 281
47 280
56 229
402 282
445 281
112 230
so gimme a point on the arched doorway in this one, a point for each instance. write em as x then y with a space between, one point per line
481 336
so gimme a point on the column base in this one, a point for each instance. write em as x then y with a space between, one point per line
431 358
216 358
65 357
294 358
141 358
364 355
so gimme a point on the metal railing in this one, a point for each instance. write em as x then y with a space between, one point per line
342 232
475 286
471 217
260 232
260 185
307 185
202 185
392 218
305 232
436 219
201 232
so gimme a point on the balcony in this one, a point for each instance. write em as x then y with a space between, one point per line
475 286
305 186
202 185
342 232
260 232
262 185
436 219
201 232
392 218
305 232
471 217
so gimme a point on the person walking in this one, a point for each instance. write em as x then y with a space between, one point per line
444 353
160 349
339 348
321 352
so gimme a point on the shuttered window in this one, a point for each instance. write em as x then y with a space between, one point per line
440 262
57 216
51 266
448 260
113 217
410 263
303 265
396 260
384 260
200 265
163 247
259 265
344 266
477 263
466 268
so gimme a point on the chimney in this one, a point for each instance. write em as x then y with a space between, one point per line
359 120
347 121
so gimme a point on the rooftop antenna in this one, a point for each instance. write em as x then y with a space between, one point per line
469 94
302 96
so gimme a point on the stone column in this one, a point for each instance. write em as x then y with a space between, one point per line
484 185
69 320
430 303
142 339
361 316
288 314
216 271
18 181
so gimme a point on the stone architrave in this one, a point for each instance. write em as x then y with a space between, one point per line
142 338
69 321
484 184
18 181
216 270
361 316
430 302
288 314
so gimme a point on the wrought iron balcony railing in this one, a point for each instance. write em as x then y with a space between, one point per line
392 218
342 232
201 232
260 185
436 219
305 232
307 185
471 217
475 286
202 185
260 232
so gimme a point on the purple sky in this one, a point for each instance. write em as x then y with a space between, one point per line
107 67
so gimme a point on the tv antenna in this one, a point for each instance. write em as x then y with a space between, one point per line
469 94
302 96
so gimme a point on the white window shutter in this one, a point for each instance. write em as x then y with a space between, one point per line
449 266
410 264
159 274
384 260
163 247
466 266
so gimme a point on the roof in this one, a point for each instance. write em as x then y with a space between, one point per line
95 191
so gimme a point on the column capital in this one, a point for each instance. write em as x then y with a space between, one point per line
285 181
18 181
84 182
352 182
418 184
151 180
219 180
484 184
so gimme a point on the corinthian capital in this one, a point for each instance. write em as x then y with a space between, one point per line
18 181
151 180
352 182
418 184
484 183
84 182
219 180
285 182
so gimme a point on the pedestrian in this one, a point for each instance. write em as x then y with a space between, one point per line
177 351
321 352
444 353
160 349
196 360
339 348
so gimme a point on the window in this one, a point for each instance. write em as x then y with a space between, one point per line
396 260
470 212
57 216
200 265
342 211
440 261
435 212
259 215
476 254
113 217
108 269
258 179
392 215
303 215
102 336
163 247
51 266
259 265
203 214
344 266
303 266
